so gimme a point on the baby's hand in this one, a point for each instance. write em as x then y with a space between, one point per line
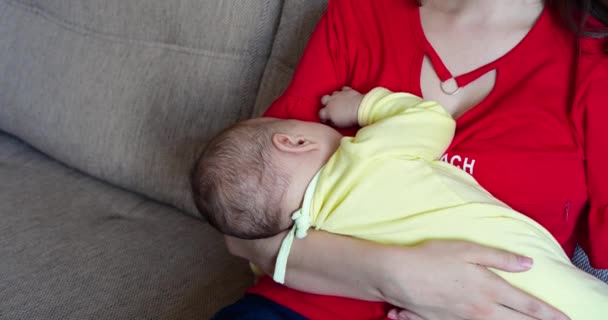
341 108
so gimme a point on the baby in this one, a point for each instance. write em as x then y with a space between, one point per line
386 184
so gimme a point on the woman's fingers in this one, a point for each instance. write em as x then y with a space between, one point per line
507 295
393 314
504 313
528 307
452 282
401 314
498 259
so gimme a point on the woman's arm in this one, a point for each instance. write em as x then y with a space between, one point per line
437 280
313 268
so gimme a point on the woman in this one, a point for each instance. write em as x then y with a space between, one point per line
530 100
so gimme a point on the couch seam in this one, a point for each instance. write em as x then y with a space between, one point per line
258 79
268 59
280 64
84 31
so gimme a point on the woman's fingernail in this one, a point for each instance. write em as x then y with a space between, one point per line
525 262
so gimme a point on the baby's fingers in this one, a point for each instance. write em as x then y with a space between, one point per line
325 99
323 115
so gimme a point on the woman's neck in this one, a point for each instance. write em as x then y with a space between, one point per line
480 11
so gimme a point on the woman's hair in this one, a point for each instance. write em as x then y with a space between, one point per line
576 14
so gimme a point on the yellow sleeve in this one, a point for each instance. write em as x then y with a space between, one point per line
402 124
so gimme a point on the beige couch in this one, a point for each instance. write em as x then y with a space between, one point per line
103 106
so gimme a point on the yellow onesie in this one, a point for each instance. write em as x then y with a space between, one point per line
388 185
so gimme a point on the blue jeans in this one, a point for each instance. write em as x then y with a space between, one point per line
254 307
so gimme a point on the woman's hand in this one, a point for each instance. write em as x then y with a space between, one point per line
444 280
437 280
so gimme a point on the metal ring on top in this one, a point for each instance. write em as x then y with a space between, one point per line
450 93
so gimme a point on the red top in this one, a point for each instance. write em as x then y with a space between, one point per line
538 141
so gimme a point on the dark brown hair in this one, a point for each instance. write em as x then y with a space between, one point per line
576 15
235 184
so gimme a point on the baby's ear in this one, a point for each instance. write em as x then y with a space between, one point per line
292 143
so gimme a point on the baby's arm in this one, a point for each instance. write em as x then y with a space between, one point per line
399 123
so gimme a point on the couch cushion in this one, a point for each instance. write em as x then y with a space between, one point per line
76 248
298 20
129 90
581 260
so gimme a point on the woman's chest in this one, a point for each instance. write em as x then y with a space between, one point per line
526 153
518 141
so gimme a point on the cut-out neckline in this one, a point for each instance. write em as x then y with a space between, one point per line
464 79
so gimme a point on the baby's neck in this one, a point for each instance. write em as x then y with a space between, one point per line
300 179
302 168
298 185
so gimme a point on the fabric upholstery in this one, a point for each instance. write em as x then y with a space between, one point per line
76 248
73 247
581 260
298 20
129 90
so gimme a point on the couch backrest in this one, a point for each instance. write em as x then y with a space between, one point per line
298 20
130 90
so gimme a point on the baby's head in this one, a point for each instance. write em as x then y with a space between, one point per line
237 184
252 176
